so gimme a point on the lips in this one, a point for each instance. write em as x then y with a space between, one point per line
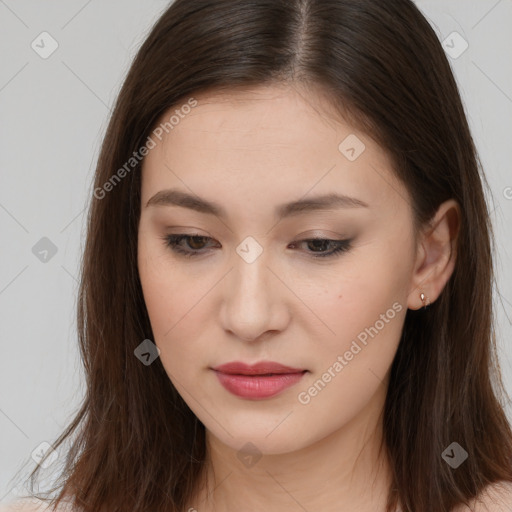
261 368
258 381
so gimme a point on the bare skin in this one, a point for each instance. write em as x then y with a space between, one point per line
249 152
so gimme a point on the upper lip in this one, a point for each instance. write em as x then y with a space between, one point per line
261 368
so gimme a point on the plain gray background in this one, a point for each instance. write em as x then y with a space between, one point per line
54 112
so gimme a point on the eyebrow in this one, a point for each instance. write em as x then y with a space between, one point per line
174 197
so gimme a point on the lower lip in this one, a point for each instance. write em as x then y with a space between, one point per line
258 386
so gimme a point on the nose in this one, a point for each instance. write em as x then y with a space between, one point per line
254 301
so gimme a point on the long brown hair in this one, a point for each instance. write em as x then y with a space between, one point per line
136 446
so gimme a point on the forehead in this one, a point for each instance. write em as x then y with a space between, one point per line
266 144
273 115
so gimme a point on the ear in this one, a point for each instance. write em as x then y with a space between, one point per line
436 255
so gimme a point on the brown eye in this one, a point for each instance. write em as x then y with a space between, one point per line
197 242
318 244
193 244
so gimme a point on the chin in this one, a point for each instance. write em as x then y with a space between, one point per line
260 439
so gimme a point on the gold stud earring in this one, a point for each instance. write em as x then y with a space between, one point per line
425 302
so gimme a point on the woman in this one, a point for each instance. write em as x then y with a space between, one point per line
286 295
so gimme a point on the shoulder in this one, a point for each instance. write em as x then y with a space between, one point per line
496 497
30 506
23 506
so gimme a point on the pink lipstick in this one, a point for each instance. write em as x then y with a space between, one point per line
261 380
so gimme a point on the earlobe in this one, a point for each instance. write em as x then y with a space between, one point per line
436 256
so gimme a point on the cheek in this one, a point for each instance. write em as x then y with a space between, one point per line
177 305
163 291
171 305
352 304
170 310
366 315
364 307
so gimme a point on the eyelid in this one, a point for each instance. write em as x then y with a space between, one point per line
320 233
188 230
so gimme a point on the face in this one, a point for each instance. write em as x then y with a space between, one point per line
232 274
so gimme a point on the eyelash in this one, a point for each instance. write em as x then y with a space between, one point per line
172 241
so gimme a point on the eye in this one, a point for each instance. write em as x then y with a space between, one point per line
196 245
319 243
